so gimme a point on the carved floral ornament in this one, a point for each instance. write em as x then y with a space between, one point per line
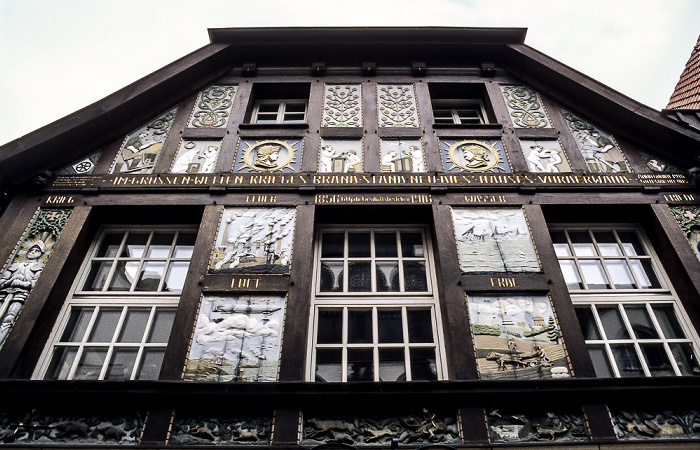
213 107
525 107
342 105
396 106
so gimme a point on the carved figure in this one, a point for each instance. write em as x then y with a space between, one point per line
387 164
267 155
327 154
324 426
111 433
548 433
417 158
341 437
377 434
474 156
538 155
425 427
79 429
203 159
503 359
246 436
203 433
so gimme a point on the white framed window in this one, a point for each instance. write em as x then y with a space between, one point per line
116 323
459 112
279 112
630 316
381 322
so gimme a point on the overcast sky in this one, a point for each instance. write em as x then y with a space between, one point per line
57 56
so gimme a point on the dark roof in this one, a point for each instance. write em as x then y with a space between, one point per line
687 92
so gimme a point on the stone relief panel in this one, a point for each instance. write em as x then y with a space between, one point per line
505 427
474 156
41 429
657 165
84 166
338 155
494 240
221 430
544 156
237 338
213 107
396 106
598 148
688 218
421 428
254 240
140 150
525 107
516 337
342 105
401 155
196 156
27 262
271 155
656 424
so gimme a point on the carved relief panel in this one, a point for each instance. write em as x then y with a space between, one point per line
668 424
225 430
237 338
254 240
196 156
598 148
688 218
396 105
401 155
342 105
140 150
338 155
26 264
516 337
494 240
544 156
84 166
476 156
657 165
213 107
525 107
270 155
507 426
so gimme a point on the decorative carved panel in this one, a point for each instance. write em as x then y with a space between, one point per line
237 338
396 106
338 155
657 165
254 240
401 155
598 148
84 166
669 424
221 430
196 156
342 105
525 107
505 427
140 150
516 337
475 156
266 156
544 156
688 218
213 107
494 240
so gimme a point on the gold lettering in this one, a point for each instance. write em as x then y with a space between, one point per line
245 283
260 198
506 282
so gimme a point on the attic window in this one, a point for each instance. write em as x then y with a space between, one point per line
458 104
279 104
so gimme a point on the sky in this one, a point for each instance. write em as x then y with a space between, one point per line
58 56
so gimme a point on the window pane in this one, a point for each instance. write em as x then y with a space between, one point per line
388 276
412 245
627 360
267 118
358 245
587 322
110 245
607 244
105 325
657 360
392 366
612 322
390 326
151 273
99 271
175 279
332 245
295 107
331 277
571 276
162 324
134 325
271 107
415 279
360 364
631 243
641 323
360 276
184 245
294 118
685 358
329 365
122 364
151 360
668 322
77 324
600 361
423 365
582 243
561 246
359 326
620 273
135 245
645 274
330 326
90 364
385 245
594 275
420 326
124 275
160 245
60 365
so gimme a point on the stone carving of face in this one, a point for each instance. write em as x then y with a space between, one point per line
34 252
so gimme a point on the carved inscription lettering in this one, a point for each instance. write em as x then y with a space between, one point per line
504 282
260 198
59 200
245 283
680 198
378 198
485 198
